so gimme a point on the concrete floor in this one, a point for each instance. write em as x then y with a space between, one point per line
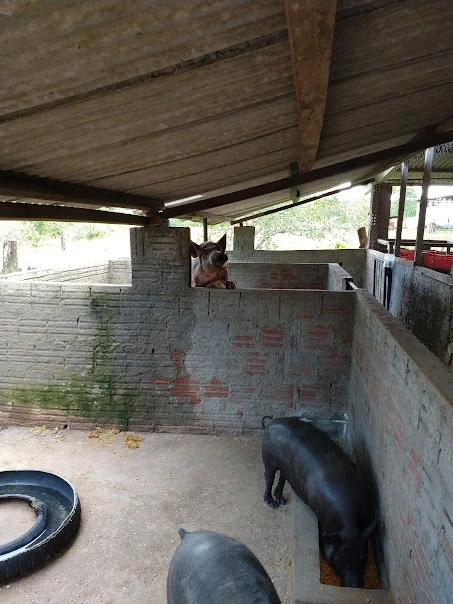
133 501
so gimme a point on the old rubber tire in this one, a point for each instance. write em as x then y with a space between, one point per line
58 517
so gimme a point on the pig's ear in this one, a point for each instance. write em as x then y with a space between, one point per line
222 244
369 529
194 249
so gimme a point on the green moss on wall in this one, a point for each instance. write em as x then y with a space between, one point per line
96 396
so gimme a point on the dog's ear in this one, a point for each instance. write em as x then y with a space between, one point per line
222 244
194 249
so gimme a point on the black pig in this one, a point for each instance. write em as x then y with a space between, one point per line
210 568
322 475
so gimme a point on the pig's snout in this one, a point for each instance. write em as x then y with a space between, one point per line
352 581
221 258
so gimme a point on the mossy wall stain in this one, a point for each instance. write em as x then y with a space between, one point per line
96 396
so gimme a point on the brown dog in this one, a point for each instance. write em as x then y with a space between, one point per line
209 265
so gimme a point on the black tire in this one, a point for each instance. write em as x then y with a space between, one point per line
58 518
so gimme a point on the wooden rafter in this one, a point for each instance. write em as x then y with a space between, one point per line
385 167
310 27
46 189
401 204
295 180
429 154
28 211
297 203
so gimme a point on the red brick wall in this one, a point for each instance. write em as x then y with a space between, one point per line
161 355
261 275
401 428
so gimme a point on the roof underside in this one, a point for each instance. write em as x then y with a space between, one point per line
171 99
441 172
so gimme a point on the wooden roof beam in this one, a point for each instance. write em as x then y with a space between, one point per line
426 133
297 203
46 189
339 169
310 27
418 259
401 204
445 126
28 211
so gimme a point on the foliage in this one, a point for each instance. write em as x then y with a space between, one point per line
410 206
36 232
89 232
332 222
96 394
216 231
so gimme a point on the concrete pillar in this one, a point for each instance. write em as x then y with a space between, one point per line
160 258
244 239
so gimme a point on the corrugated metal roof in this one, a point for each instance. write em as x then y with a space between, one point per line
441 172
170 99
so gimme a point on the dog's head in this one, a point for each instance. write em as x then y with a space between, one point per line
211 255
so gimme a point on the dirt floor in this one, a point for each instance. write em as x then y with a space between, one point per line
133 501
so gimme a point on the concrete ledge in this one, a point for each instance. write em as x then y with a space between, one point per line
305 584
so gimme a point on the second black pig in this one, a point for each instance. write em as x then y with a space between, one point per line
211 568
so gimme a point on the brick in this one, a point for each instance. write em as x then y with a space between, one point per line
195 356
402 422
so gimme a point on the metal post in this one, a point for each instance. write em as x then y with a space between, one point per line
374 277
423 203
205 229
399 224
389 286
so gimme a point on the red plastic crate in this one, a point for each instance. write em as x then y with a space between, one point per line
407 254
428 259
437 261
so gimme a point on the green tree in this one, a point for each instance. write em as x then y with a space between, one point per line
89 231
410 206
38 232
333 220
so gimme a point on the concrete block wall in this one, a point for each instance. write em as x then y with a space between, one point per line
337 278
401 429
120 271
421 298
162 355
113 271
98 273
353 261
373 277
261 275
